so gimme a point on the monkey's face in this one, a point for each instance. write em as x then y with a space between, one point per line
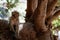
15 15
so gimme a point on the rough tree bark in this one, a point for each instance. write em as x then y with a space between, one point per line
51 7
31 6
4 30
41 14
28 33
43 32
55 16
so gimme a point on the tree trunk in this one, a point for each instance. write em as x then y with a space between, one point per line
4 30
39 11
43 31
31 6
40 15
51 7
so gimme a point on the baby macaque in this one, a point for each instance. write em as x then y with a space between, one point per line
14 23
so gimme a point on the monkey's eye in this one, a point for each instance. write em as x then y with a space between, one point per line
13 15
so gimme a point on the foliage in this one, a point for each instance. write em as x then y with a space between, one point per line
58 3
3 12
56 23
11 3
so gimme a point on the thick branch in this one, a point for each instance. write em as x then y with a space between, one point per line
40 15
31 6
56 14
51 7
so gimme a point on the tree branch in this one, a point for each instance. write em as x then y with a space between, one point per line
51 7
31 6
56 14
40 15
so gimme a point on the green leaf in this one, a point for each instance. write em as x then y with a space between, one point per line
10 4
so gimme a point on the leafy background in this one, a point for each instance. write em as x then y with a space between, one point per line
17 5
58 3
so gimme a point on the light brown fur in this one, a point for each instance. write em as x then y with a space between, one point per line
14 20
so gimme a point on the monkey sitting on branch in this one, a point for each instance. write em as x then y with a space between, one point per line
14 23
